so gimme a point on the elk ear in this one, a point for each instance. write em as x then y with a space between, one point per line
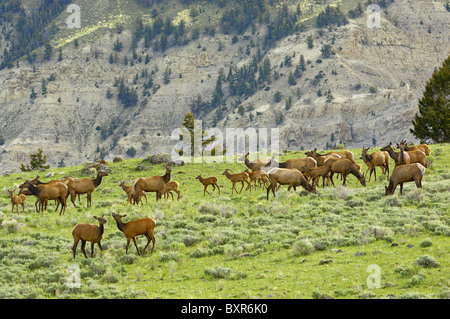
95 217
124 215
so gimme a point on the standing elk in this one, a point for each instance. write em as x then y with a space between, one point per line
88 232
152 184
84 186
405 173
17 200
380 158
143 226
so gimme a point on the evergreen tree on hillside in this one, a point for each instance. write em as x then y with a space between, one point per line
189 124
37 161
432 122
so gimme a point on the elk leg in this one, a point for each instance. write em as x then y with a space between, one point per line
83 245
74 248
135 244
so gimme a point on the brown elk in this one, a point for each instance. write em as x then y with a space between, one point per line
287 176
345 167
415 156
143 226
85 186
256 165
257 176
399 160
129 190
45 192
235 178
405 173
422 147
152 184
17 200
343 154
169 187
380 158
88 232
316 173
208 181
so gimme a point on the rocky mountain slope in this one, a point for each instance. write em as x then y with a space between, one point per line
364 94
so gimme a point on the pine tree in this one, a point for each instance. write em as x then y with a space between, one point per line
432 122
37 161
189 124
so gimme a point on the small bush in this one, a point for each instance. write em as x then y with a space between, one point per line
11 226
172 255
218 272
302 248
426 243
427 262
438 151
417 279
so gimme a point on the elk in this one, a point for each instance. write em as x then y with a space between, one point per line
405 173
396 156
17 200
85 186
422 147
238 177
208 181
88 232
287 176
295 163
254 166
129 190
171 186
143 226
152 184
375 159
343 154
45 192
415 156
257 176
345 167
316 173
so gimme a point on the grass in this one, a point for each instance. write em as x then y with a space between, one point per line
295 245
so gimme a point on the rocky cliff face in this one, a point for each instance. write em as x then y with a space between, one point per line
370 87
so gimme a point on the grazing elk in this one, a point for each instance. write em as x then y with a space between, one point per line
345 167
287 176
405 173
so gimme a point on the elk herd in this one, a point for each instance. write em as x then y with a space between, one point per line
409 166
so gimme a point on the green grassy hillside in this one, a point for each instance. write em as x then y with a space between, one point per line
296 245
